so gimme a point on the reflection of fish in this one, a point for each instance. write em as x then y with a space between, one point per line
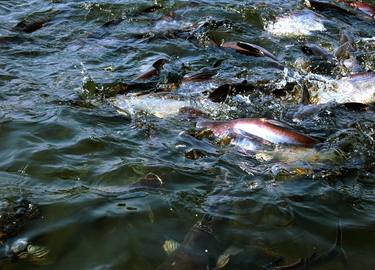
269 130
197 251
317 260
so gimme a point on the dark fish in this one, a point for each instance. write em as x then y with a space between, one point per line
313 49
317 260
356 106
107 90
101 31
202 75
197 251
155 70
346 47
113 22
11 39
192 112
221 93
345 51
148 74
368 9
150 180
151 9
326 6
29 27
15 215
249 49
269 130
305 95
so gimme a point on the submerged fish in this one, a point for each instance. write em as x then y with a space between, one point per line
268 130
162 104
29 27
317 260
198 251
301 23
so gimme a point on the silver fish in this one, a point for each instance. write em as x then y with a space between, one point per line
359 87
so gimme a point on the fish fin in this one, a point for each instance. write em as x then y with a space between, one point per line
222 261
305 95
276 123
158 64
221 93
224 258
170 246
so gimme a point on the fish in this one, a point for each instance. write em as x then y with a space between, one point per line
29 27
199 249
221 93
358 88
269 130
155 70
317 260
15 215
344 53
326 6
162 105
249 49
202 75
313 49
365 8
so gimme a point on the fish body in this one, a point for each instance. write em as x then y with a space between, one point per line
158 105
313 49
367 9
155 70
268 130
162 105
249 49
359 88
197 251
317 260
29 27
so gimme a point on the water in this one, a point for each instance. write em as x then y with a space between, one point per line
65 148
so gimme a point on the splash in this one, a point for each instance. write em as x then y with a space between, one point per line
302 23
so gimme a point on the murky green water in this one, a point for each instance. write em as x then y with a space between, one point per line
66 148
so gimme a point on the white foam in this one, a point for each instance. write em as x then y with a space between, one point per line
301 23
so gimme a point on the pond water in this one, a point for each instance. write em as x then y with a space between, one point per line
67 149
